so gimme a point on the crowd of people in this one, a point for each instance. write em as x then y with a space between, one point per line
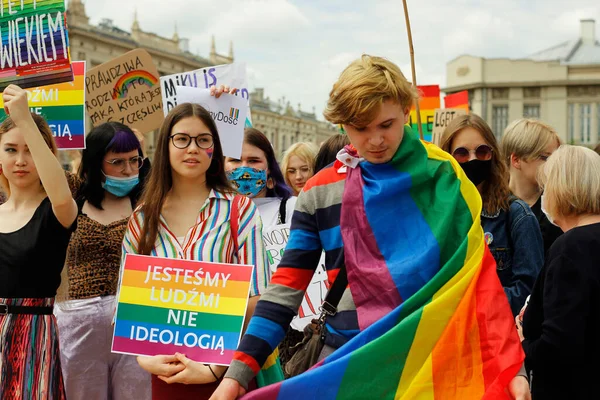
360 198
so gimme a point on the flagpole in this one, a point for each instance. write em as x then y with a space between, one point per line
412 66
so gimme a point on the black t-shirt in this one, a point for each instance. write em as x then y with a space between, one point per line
562 322
549 232
32 258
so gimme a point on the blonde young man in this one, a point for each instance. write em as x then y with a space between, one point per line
526 145
399 218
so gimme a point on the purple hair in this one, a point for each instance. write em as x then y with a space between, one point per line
123 142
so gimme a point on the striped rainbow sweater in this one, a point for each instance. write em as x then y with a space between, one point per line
315 227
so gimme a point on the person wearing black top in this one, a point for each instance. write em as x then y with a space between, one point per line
561 325
526 145
36 223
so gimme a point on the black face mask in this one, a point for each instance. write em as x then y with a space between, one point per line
477 171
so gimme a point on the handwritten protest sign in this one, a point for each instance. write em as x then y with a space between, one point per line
127 90
429 100
232 75
170 305
275 239
35 44
442 118
229 113
62 106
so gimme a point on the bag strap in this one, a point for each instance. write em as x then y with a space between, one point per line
234 221
335 293
282 211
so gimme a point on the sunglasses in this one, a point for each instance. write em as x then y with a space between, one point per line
483 152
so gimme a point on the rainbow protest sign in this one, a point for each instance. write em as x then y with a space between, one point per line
35 44
170 305
63 107
429 100
131 79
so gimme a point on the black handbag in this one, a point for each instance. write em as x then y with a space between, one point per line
306 353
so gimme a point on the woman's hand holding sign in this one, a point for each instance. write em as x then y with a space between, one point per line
164 366
217 92
193 372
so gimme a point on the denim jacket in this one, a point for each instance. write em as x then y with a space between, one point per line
518 249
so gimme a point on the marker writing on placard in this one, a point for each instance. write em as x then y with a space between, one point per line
19 35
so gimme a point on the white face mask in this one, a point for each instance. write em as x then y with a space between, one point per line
546 213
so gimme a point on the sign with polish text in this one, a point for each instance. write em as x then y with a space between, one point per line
170 305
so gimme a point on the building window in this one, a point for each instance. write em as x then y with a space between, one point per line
531 111
532 93
585 123
598 122
500 93
283 142
571 123
499 119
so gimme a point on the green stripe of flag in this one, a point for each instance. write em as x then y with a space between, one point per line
156 315
57 113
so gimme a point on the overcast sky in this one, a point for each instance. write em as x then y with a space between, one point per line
298 48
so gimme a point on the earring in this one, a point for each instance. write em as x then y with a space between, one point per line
270 183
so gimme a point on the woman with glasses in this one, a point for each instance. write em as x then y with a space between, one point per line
512 232
107 188
185 213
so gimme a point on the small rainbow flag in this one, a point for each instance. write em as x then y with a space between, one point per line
429 100
63 107
234 113
133 79
435 322
457 100
170 305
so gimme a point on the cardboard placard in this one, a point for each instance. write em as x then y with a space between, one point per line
35 45
127 90
232 75
62 106
228 112
442 118
171 305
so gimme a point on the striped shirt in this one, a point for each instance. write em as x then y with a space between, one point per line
210 238
315 227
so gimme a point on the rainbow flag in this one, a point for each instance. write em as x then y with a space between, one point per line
434 319
429 100
457 100
63 106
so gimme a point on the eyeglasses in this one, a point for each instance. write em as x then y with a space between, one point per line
483 152
183 140
121 163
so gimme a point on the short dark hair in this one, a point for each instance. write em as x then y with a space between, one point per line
258 139
329 150
110 136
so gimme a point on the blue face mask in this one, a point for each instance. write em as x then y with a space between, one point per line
120 187
248 181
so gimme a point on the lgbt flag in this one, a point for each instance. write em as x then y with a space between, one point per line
35 43
435 322
63 106
170 305
457 100
429 100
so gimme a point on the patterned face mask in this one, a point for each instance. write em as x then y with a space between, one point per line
248 181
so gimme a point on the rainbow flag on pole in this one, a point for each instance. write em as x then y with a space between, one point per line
457 100
429 100
434 319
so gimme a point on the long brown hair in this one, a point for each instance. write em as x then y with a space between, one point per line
495 191
44 129
160 180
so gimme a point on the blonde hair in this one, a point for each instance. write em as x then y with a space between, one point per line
571 181
361 89
46 133
304 150
527 139
495 191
